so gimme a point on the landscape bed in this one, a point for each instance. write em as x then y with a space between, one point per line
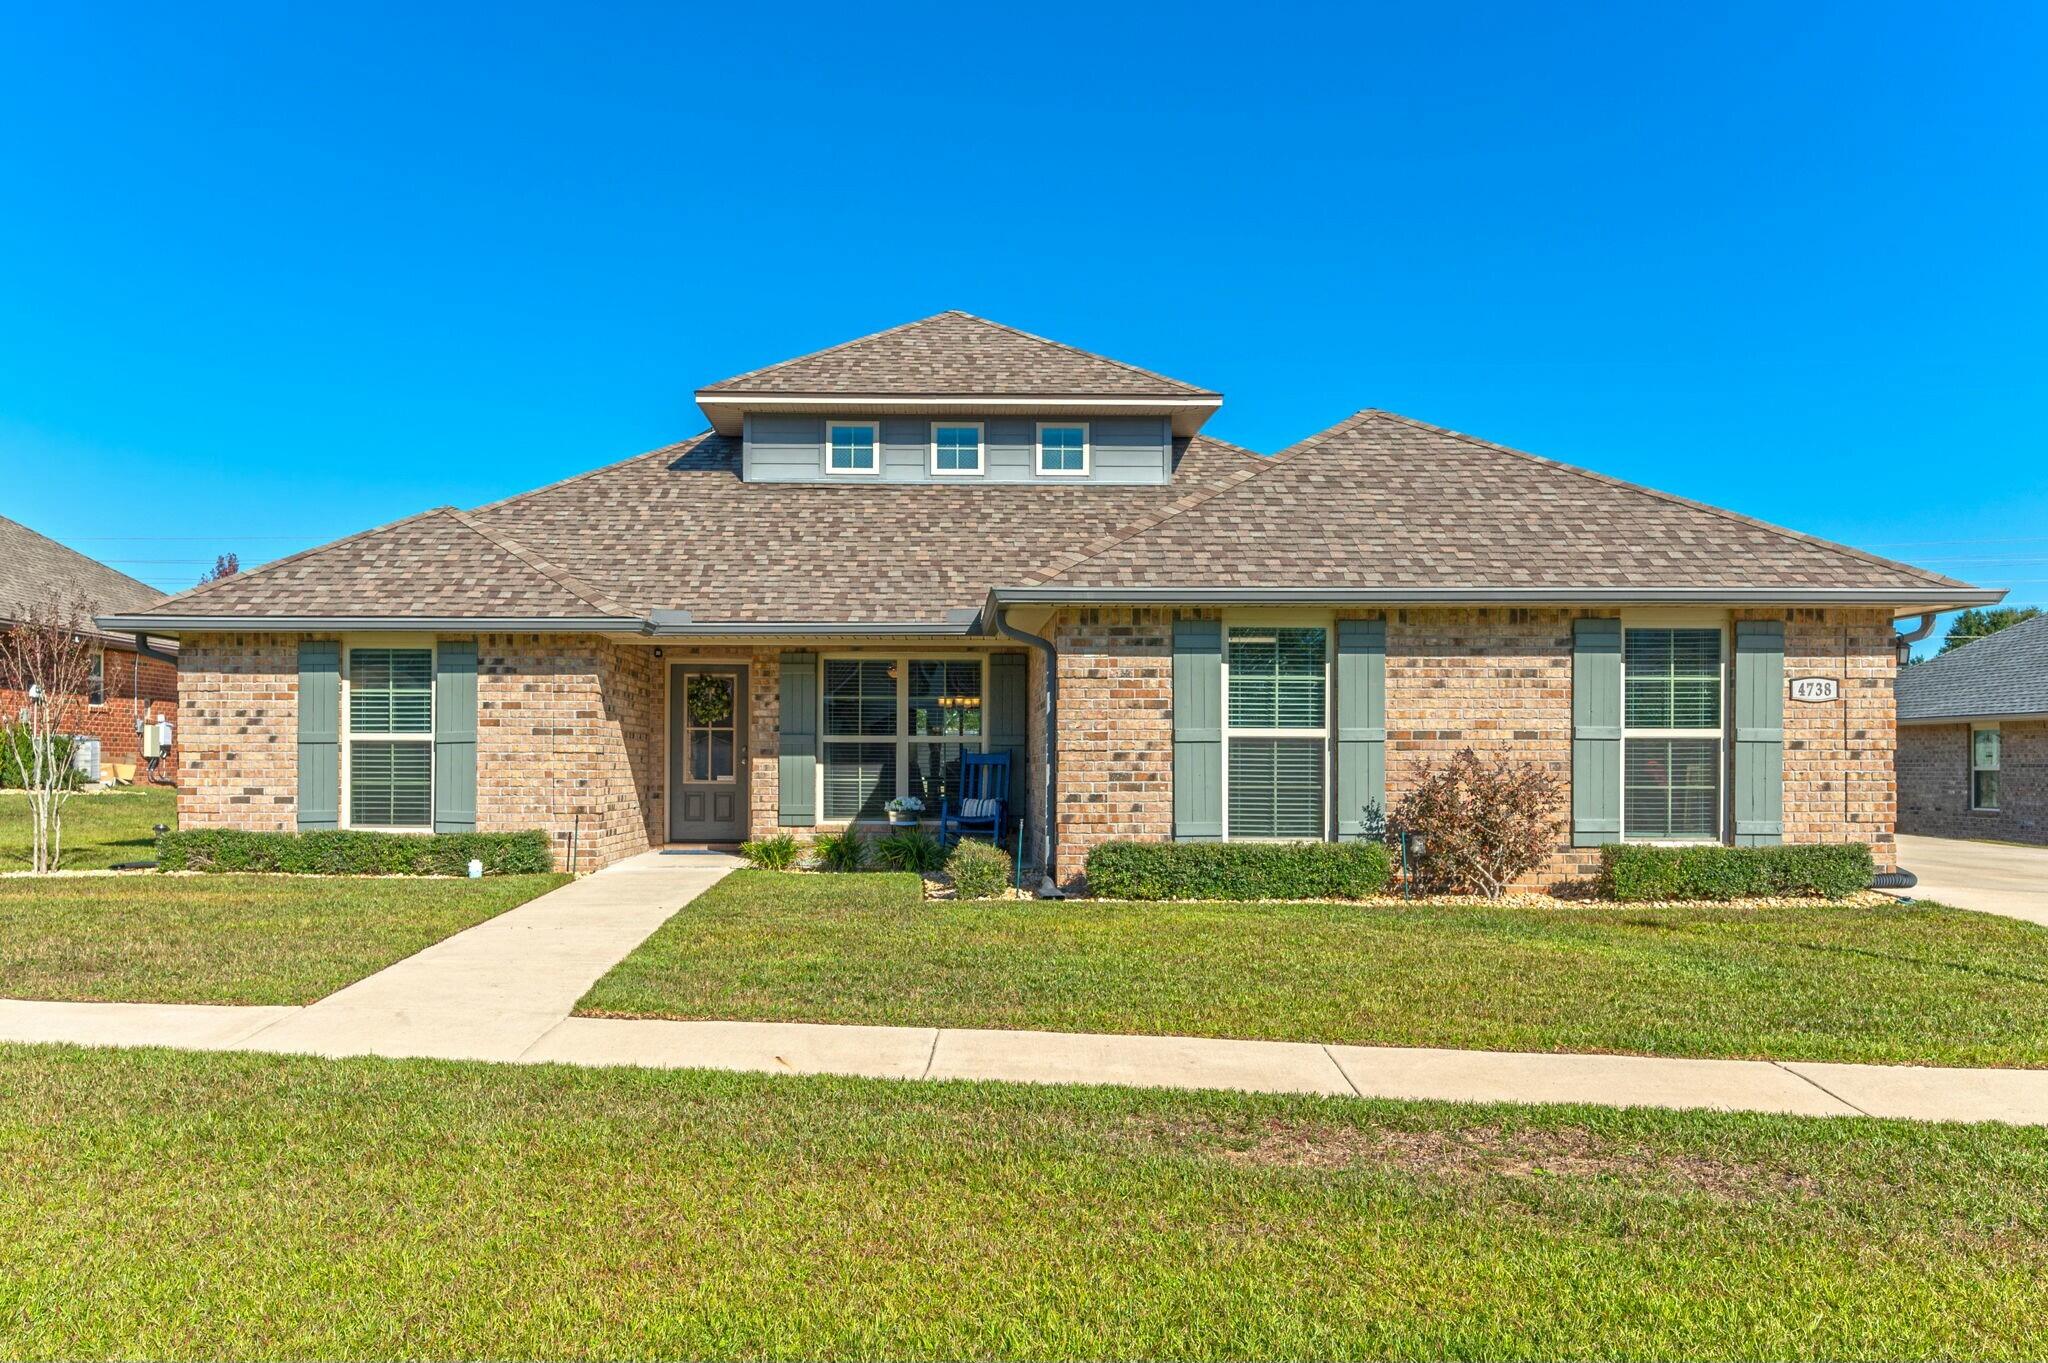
174 1205
1878 982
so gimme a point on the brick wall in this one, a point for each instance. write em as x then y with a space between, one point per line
135 687
1496 680
1934 783
238 739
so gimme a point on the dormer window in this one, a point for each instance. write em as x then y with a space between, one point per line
1063 449
852 446
956 449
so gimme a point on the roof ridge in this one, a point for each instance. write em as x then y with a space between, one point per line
262 568
1934 579
1245 450
688 444
80 554
827 350
1091 354
587 593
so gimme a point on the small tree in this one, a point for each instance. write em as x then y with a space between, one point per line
1482 823
224 565
1974 624
46 657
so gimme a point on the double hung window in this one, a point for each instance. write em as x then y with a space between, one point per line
896 726
1672 735
1277 731
1984 760
390 737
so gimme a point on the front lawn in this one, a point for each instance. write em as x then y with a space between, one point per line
171 1205
1894 983
100 827
228 938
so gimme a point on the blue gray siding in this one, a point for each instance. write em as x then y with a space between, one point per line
791 449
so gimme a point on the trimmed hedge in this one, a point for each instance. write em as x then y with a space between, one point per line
345 853
1238 870
980 870
1631 872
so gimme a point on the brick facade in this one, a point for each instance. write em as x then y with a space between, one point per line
1934 783
136 688
1495 679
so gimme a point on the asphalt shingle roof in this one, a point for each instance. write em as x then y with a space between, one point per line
2001 674
1382 500
956 354
35 568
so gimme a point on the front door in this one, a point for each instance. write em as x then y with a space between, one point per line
707 753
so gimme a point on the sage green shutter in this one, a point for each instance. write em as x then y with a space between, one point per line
1361 723
1759 732
796 767
1009 717
1197 730
455 736
1596 732
319 733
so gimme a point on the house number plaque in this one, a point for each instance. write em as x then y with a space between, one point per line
1815 688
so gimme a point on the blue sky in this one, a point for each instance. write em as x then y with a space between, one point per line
270 275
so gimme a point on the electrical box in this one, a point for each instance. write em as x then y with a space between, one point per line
156 738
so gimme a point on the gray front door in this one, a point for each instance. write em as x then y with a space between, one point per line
707 753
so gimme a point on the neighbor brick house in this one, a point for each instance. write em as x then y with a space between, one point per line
129 684
1973 739
954 536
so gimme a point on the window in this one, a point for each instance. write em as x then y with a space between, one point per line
390 737
1984 756
956 448
896 726
852 446
96 679
1062 450
1671 736
1277 729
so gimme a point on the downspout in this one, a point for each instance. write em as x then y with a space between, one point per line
1048 831
143 650
1905 642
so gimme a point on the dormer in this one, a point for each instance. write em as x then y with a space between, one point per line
956 399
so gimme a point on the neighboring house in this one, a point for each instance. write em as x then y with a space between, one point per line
881 554
128 686
1973 739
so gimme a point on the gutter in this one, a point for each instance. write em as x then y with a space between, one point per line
1905 642
1049 830
1942 598
300 624
143 648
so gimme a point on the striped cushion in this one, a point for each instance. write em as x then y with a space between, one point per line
978 809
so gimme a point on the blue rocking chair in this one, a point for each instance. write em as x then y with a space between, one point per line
984 798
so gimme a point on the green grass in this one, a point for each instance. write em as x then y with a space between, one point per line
99 829
169 1205
1896 983
228 938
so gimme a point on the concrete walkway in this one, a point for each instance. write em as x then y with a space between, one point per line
491 991
503 990
1991 877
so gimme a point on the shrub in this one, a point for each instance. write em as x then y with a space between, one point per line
14 741
1633 872
1483 822
1238 870
778 853
847 851
344 853
980 870
912 849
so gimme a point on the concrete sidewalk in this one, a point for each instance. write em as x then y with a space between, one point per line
491 991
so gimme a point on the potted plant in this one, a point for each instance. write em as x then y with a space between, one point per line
903 811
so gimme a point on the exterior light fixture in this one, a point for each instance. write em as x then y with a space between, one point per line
1413 846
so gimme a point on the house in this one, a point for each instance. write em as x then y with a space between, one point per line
130 683
1973 739
953 536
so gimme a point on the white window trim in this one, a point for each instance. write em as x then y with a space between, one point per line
1724 760
348 646
980 468
1087 450
1976 729
1329 628
874 429
903 738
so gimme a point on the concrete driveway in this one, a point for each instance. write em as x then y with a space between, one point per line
1992 877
